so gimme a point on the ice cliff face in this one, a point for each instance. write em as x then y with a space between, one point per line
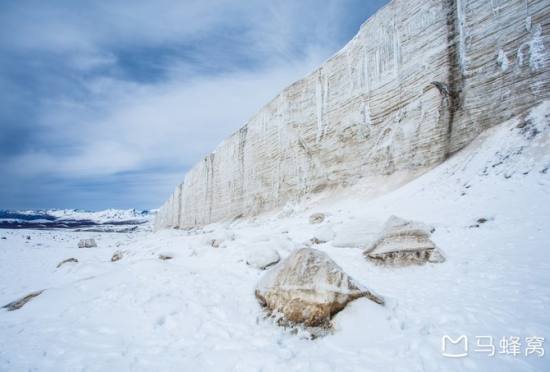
419 81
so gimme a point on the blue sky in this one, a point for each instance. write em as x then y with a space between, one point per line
108 103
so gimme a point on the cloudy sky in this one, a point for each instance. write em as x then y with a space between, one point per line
108 103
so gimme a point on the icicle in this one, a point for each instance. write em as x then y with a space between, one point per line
319 95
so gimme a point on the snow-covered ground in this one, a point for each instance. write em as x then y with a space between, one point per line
197 311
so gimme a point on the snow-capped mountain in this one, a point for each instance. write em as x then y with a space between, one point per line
75 219
104 216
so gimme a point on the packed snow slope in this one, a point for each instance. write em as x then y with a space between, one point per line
419 81
197 311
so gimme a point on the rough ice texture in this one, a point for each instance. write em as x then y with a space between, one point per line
316 218
404 242
72 259
19 303
419 81
87 243
309 288
503 65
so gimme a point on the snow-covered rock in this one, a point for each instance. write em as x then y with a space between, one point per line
308 288
19 303
165 256
216 243
316 218
262 256
87 243
404 242
72 259
117 256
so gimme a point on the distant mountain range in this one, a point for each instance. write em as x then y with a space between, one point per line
115 220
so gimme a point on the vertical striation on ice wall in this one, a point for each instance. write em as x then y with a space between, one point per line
504 62
420 80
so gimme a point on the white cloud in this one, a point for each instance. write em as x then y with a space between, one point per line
132 126
90 61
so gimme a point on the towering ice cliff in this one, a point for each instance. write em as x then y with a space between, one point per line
419 81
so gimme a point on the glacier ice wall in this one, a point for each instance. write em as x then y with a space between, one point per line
419 81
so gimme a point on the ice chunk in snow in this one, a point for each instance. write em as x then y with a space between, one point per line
316 218
87 243
404 242
308 288
72 259
19 303
262 255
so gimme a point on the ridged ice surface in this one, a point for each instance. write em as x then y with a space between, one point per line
420 80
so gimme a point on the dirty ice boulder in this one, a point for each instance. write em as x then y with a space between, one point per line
87 243
316 218
403 242
19 303
72 259
118 255
308 288
262 256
